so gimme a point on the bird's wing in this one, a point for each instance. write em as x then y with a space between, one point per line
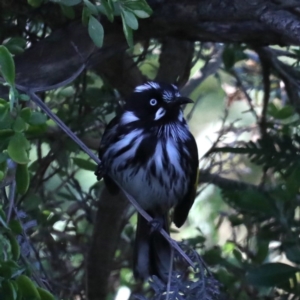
108 137
182 209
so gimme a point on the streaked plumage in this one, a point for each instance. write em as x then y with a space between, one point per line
149 150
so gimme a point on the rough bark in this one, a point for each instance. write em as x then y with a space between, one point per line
264 22
108 226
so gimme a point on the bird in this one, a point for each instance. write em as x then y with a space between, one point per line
149 151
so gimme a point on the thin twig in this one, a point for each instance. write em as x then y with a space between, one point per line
266 81
244 90
170 273
71 134
173 243
11 199
37 100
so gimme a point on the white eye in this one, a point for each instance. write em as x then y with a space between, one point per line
153 102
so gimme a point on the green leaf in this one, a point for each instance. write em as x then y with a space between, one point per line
68 2
272 110
141 14
1 175
3 157
17 40
2 214
292 182
4 133
271 274
108 9
15 45
4 109
2 219
45 295
12 95
285 112
15 247
130 19
15 227
32 202
9 290
27 287
228 57
85 16
232 54
68 11
35 3
22 178
25 114
7 65
127 32
17 148
36 130
138 5
8 268
19 125
262 251
84 164
96 31
91 7
37 118
249 200
24 97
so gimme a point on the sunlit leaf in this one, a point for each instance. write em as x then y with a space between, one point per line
18 148
25 114
19 125
27 287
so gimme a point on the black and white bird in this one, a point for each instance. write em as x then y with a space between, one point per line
149 151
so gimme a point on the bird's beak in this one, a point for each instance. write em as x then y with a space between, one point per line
182 100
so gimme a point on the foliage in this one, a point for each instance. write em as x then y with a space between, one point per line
130 11
49 194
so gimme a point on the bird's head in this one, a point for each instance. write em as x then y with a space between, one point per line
156 102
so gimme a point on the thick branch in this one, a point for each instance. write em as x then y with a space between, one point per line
58 57
107 229
175 61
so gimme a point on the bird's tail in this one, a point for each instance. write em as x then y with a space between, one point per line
152 253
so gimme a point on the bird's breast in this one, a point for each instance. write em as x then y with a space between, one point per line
152 166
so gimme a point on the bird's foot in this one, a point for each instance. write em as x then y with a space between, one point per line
99 171
156 225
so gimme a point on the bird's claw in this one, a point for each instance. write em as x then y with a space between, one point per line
99 171
156 225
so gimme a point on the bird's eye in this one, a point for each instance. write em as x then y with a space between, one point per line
153 102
